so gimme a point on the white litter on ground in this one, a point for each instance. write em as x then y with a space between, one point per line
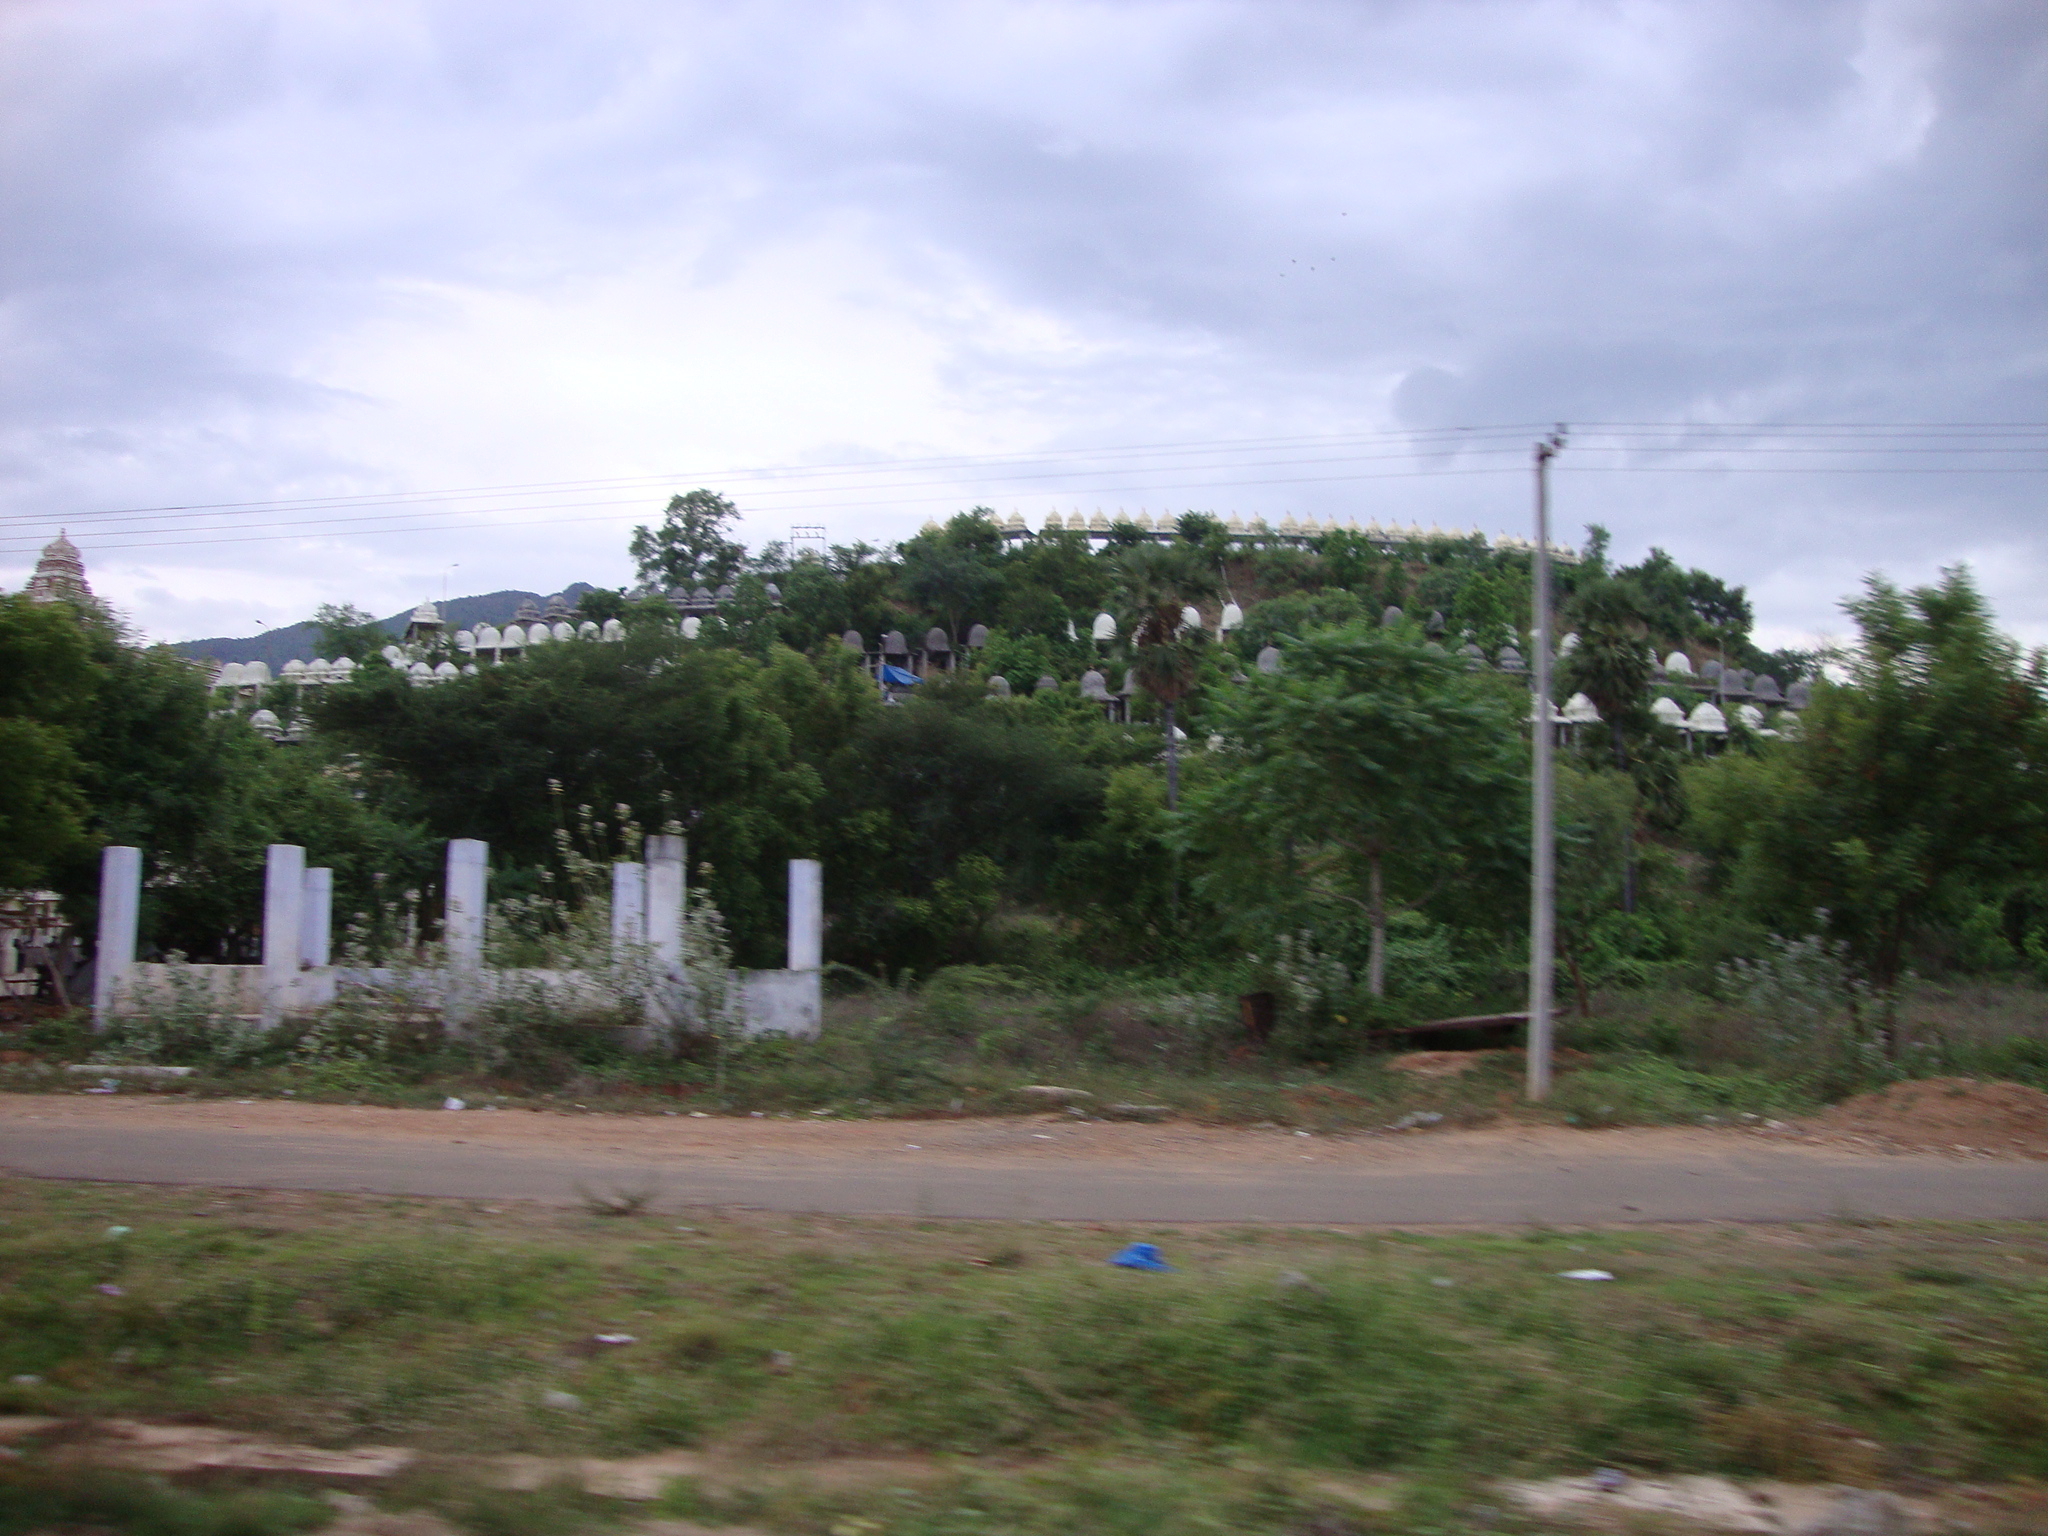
1714 1503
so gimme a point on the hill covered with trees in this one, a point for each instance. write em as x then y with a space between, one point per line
1345 826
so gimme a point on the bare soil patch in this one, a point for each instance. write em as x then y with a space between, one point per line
1946 1114
1007 1142
1458 1063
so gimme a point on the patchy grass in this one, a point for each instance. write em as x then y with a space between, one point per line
1825 1350
36 1500
971 1038
948 1052
1105 1496
1992 1027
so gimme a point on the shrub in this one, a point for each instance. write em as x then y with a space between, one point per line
184 1026
1813 1008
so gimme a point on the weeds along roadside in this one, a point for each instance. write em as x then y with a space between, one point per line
910 1056
1779 1041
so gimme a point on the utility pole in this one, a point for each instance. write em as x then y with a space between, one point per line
1542 821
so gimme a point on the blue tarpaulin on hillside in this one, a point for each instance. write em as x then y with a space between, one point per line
896 677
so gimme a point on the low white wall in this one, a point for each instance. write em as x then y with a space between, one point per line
782 1003
771 1002
235 991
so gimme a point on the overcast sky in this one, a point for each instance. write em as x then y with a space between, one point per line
261 253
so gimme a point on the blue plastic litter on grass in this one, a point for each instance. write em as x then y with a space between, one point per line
1140 1256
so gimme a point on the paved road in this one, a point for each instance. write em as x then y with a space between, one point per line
1755 1182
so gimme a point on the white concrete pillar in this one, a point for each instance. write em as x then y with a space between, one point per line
316 919
806 914
629 909
120 910
462 924
284 900
665 897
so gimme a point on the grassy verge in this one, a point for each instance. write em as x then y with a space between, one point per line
940 1054
1617 1088
1814 1351
1071 1496
37 1500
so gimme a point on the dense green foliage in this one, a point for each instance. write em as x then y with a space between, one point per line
46 686
1351 837
112 742
1374 773
1914 799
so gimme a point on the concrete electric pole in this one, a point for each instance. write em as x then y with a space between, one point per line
1542 820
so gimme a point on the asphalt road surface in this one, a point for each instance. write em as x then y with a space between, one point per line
1016 1170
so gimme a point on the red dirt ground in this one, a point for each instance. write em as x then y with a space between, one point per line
1945 1114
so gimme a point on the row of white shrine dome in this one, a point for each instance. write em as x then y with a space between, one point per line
489 639
1101 525
485 640
1704 719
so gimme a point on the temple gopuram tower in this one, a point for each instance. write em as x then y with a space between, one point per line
60 574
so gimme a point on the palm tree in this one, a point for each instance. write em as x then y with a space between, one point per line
1156 585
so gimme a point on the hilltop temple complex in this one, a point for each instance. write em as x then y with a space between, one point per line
428 654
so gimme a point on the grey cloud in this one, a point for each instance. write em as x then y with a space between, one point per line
1565 210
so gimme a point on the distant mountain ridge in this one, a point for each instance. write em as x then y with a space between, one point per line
301 642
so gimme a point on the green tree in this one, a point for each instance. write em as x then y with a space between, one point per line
154 766
1681 606
703 735
1023 659
1596 832
1491 603
1375 772
47 684
346 630
1156 583
1118 880
1593 554
815 604
1350 560
690 548
868 578
948 775
1612 664
946 924
1050 582
601 603
1296 613
1913 788
747 621
201 794
204 893
956 574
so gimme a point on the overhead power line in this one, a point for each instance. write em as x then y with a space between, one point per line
300 530
785 474
1212 468
846 467
772 490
